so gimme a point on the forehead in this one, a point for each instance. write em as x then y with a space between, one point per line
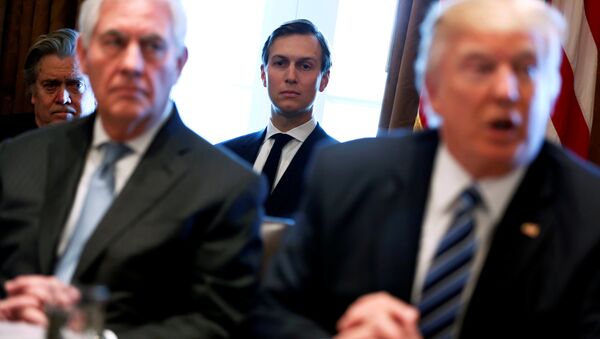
497 45
135 17
296 45
54 67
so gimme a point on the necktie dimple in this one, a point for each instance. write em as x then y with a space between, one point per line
98 199
449 272
272 163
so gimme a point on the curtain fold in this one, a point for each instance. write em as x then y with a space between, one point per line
401 99
21 22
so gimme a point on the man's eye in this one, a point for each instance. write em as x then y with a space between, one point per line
50 88
483 68
525 70
278 63
114 42
154 47
306 67
76 87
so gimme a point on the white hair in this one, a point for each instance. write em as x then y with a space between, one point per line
494 16
90 11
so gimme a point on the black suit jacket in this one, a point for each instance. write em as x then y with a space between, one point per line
285 198
179 247
359 229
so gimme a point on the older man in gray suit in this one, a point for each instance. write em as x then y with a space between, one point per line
129 197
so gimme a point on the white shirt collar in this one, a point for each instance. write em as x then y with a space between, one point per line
299 133
447 186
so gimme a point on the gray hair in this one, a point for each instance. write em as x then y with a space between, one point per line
90 11
451 16
61 43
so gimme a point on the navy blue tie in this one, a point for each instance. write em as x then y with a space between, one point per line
272 163
97 201
449 272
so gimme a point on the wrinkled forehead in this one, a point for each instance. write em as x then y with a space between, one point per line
139 17
54 66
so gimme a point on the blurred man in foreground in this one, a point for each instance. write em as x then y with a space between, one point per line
129 197
477 229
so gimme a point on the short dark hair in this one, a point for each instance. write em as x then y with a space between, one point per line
302 27
61 42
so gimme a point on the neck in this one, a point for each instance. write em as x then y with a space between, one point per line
125 130
285 124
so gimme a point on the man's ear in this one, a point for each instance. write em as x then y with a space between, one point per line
429 94
263 75
181 60
324 81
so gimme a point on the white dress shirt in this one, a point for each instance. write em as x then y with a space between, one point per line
124 167
448 181
288 152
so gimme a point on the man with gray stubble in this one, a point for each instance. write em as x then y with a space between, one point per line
129 197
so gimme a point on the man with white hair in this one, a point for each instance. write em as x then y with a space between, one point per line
476 229
129 197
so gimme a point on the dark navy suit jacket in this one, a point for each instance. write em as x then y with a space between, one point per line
285 198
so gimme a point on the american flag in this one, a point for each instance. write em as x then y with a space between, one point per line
574 112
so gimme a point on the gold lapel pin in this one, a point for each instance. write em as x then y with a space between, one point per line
530 229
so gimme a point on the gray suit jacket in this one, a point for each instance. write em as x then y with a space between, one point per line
359 229
179 247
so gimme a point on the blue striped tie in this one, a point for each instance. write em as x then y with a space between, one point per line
449 272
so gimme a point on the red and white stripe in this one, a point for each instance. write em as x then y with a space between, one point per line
574 111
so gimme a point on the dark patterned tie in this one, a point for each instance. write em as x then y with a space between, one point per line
272 163
449 272
97 200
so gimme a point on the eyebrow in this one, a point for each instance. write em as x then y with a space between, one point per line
301 59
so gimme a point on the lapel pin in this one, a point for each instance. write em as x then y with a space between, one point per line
530 229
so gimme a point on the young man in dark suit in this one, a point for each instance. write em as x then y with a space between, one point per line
476 229
295 66
129 197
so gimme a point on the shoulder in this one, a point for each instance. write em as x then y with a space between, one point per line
37 139
320 135
381 151
244 140
568 170
214 161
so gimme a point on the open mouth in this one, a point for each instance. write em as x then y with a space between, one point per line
502 125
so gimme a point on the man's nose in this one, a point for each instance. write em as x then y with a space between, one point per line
291 74
62 96
132 60
506 84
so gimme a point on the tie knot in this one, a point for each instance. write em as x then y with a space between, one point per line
113 151
469 199
281 139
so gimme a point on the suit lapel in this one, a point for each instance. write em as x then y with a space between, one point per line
248 150
523 229
402 216
159 168
65 159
